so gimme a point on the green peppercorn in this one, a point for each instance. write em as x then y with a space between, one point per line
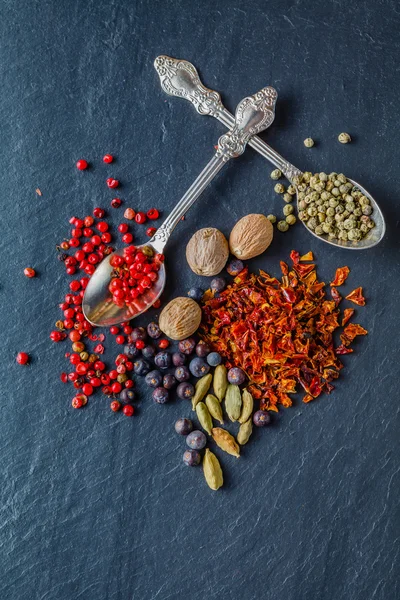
344 138
318 230
147 251
60 325
271 218
312 211
282 226
122 377
291 190
84 356
279 188
309 142
276 174
291 219
287 197
93 358
288 209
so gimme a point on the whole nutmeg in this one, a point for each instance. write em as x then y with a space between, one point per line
180 318
207 252
251 236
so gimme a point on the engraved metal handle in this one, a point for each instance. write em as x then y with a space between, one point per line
180 78
253 114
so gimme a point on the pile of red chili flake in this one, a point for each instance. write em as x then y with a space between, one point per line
281 331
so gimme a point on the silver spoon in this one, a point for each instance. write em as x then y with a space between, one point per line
253 114
180 78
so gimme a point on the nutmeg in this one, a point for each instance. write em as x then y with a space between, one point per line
207 252
180 318
251 236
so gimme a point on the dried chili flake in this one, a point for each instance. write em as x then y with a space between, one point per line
340 276
303 270
350 332
357 297
307 257
347 314
295 256
279 331
336 296
343 350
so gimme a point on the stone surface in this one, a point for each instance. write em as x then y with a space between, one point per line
98 506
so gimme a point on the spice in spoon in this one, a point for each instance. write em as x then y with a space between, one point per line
332 205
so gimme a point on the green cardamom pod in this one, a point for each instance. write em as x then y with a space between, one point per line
233 402
212 470
214 408
244 432
220 382
202 387
225 441
247 406
204 417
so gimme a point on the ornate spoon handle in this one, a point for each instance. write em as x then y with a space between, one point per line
253 114
180 78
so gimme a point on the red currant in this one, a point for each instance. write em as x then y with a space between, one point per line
153 214
120 339
114 329
129 214
116 387
127 238
128 410
88 221
77 402
81 164
112 183
28 272
99 212
140 218
140 344
87 389
102 226
108 158
22 358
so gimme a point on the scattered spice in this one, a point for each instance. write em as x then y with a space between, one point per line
308 142
22 358
82 165
39 192
280 332
340 276
357 297
112 183
347 314
344 138
28 272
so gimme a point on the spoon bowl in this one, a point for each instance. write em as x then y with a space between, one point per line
372 238
98 306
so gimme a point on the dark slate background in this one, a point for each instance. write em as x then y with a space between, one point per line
98 506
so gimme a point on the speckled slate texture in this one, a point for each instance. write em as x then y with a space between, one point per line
98 506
